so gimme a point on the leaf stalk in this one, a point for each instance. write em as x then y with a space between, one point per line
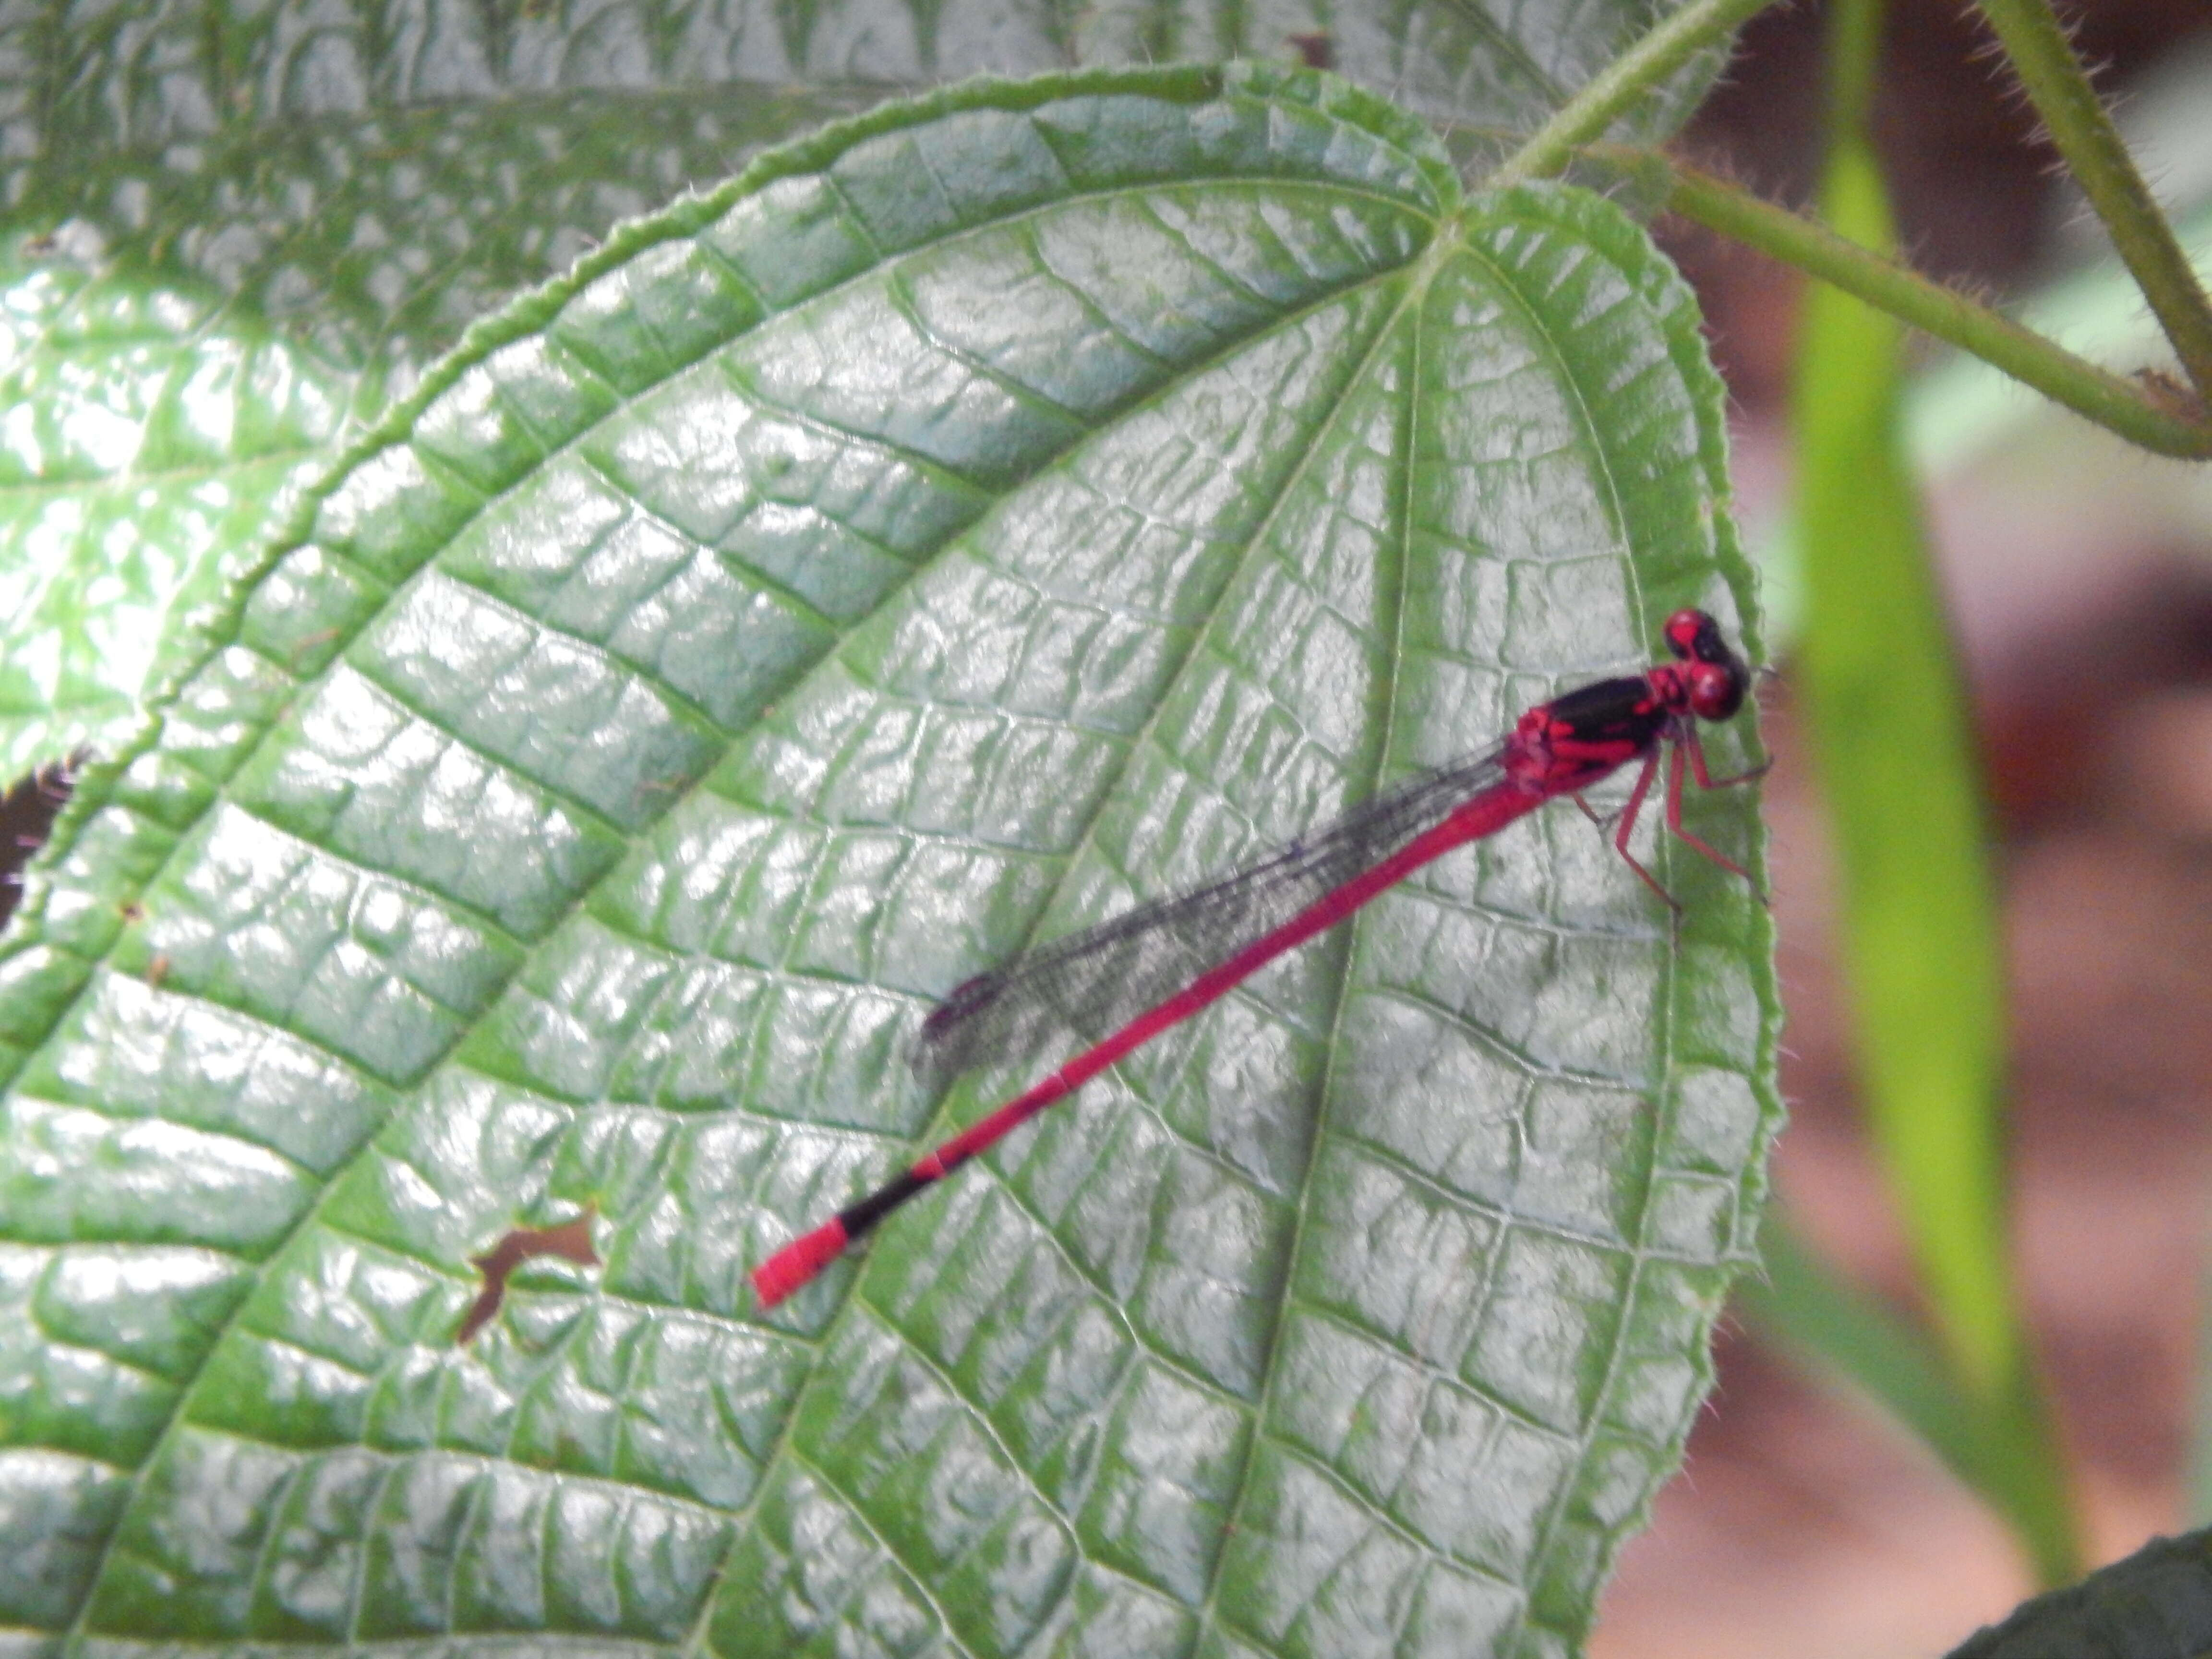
2059 88
2142 413
1610 93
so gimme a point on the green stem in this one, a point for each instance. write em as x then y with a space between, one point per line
2092 149
1584 117
2111 400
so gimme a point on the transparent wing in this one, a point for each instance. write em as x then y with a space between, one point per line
1089 985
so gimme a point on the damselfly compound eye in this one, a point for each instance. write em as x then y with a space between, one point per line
1716 691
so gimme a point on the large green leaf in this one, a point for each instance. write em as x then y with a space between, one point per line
145 453
990 508
210 320
253 225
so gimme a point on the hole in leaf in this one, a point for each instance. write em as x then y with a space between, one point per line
571 1241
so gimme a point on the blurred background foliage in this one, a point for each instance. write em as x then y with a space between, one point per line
2069 574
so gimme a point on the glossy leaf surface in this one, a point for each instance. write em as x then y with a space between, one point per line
212 319
973 517
148 449
243 229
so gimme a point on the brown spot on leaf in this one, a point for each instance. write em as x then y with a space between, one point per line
571 1241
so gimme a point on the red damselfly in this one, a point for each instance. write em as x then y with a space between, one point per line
1154 966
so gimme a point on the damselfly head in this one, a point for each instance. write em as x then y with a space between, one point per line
1713 677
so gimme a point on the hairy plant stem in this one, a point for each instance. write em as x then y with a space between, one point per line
2133 410
1614 89
2060 90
